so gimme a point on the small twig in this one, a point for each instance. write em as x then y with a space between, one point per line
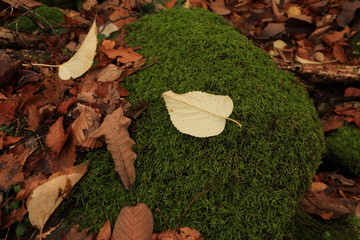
187 208
163 217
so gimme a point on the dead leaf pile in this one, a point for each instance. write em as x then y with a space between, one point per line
332 195
46 120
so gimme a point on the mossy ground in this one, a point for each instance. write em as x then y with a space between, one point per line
260 170
47 16
343 145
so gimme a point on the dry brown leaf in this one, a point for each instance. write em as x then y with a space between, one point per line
114 128
110 73
23 3
352 92
86 123
7 111
218 6
73 234
134 223
28 186
56 137
48 196
105 232
187 233
34 118
11 169
15 215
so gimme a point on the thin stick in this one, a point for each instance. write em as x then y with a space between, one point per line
187 208
41 65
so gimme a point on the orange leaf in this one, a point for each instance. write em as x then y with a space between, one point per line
114 128
55 138
170 3
134 223
339 53
352 92
73 234
105 232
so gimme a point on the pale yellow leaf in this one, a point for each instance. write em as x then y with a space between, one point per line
82 59
199 114
134 223
108 29
47 197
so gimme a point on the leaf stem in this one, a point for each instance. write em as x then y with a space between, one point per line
233 120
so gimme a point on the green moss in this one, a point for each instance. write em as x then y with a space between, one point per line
344 145
260 170
307 228
47 16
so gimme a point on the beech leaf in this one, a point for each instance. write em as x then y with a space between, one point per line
82 59
119 143
199 114
134 223
48 196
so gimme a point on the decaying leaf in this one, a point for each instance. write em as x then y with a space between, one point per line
11 169
134 223
82 59
114 128
199 114
48 196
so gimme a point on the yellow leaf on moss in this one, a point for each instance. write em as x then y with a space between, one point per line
199 114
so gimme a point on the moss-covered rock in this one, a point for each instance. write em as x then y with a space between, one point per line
260 170
343 144
46 16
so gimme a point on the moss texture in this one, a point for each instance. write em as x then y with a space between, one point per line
47 16
308 228
260 170
343 144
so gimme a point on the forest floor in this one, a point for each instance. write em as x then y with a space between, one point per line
317 40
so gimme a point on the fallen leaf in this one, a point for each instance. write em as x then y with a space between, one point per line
11 169
105 232
88 119
82 59
187 233
14 215
64 106
199 114
28 186
7 111
339 53
134 223
56 137
352 92
34 118
108 29
73 234
22 3
48 196
114 128
218 6
109 73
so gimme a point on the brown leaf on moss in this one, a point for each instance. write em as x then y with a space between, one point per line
34 118
114 128
105 232
11 169
56 137
134 223
73 234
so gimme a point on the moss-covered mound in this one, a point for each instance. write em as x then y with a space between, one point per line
344 145
260 170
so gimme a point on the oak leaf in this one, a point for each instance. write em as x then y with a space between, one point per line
114 128
199 114
48 196
82 59
134 223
